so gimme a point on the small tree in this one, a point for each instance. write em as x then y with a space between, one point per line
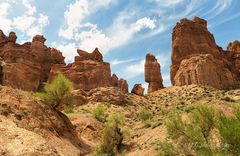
57 91
112 136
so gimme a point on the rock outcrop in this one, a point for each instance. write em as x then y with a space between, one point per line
233 51
197 59
153 74
30 127
88 72
138 90
26 66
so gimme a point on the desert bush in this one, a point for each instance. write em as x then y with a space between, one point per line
144 114
228 99
68 110
193 132
112 136
56 92
100 112
6 111
229 129
166 149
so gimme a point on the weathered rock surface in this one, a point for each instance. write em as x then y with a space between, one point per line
89 71
111 95
88 128
26 120
197 59
153 74
26 66
233 51
138 90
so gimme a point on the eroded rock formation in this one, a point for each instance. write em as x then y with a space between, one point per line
26 66
88 72
197 59
138 90
233 51
153 74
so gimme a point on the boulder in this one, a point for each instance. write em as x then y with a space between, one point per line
153 74
138 90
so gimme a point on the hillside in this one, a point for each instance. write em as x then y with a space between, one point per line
143 136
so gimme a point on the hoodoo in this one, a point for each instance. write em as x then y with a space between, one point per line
153 74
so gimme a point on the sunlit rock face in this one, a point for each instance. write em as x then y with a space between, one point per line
88 72
197 59
153 74
26 66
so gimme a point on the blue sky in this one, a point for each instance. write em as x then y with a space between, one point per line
123 30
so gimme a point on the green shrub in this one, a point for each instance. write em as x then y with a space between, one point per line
228 99
112 136
144 114
193 133
167 149
23 112
68 110
99 112
56 92
229 129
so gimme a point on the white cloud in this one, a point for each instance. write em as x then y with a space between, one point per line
69 50
77 12
166 3
29 22
88 36
219 7
134 70
5 23
117 62
145 23
122 31
93 38
30 8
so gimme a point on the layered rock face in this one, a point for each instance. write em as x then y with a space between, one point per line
153 74
26 66
88 72
196 58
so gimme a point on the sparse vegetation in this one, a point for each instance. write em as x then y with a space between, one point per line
112 136
167 149
144 114
24 112
228 99
100 112
203 131
68 110
56 92
6 111
229 129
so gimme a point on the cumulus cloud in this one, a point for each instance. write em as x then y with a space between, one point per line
134 70
76 13
68 49
88 36
29 22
